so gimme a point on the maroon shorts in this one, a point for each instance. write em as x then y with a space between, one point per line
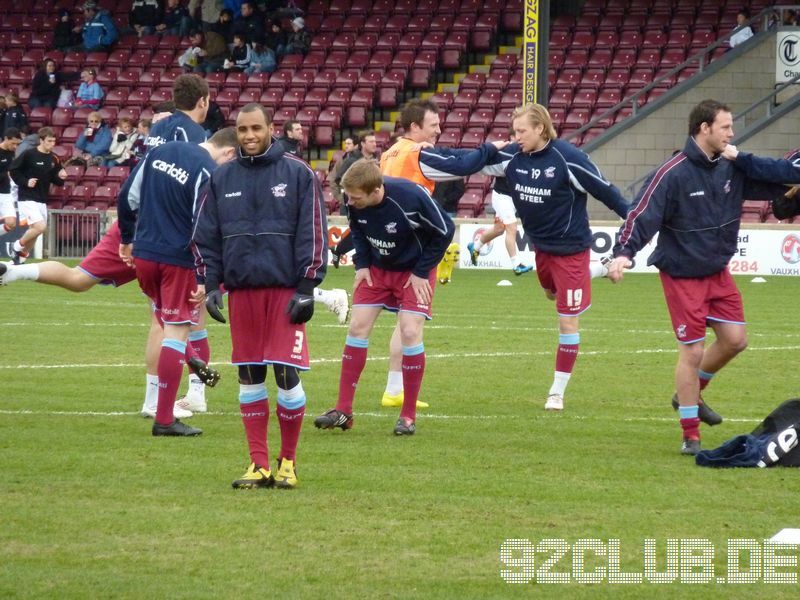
568 278
692 302
103 261
261 331
169 288
387 291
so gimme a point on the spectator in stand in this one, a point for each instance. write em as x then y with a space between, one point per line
46 86
276 36
98 31
64 36
139 148
31 140
448 193
212 51
791 18
262 60
215 119
333 167
299 40
2 111
224 26
235 6
209 12
292 137
250 24
367 147
15 116
240 56
95 140
122 141
144 16
90 94
742 32
176 20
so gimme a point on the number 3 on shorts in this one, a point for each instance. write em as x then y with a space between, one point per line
298 342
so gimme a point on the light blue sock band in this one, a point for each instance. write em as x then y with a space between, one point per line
569 339
705 375
176 345
291 403
196 336
252 393
688 412
356 342
413 350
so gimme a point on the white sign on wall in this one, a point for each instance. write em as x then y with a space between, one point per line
787 56
760 251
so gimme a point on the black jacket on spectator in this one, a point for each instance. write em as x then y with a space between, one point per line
63 36
146 13
46 91
15 117
448 193
273 39
251 28
215 120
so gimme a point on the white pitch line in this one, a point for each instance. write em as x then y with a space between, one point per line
387 415
387 325
320 361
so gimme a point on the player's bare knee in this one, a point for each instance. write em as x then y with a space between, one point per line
738 344
410 333
550 295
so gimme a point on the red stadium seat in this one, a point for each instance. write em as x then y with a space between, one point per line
117 175
450 138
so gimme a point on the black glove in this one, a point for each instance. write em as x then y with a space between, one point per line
214 304
300 308
121 137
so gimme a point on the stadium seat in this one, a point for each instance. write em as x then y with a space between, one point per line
471 202
449 138
465 99
248 96
94 174
472 138
227 97
109 114
584 98
117 175
40 116
81 194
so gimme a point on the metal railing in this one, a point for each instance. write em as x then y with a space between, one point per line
72 233
768 102
637 101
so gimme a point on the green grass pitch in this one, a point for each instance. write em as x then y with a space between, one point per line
91 506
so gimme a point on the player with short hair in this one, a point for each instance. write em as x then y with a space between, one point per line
164 190
34 171
414 157
261 231
400 234
8 212
191 96
694 202
549 180
104 266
